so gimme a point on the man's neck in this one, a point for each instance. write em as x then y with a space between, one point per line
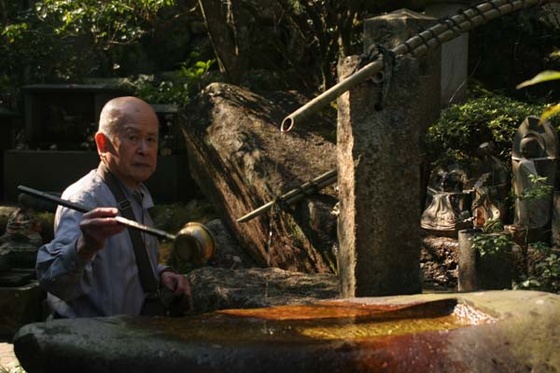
134 186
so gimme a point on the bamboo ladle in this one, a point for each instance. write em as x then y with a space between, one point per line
194 242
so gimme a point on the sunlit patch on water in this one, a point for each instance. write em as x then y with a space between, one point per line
372 328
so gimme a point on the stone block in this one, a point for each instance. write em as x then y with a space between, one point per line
502 331
20 305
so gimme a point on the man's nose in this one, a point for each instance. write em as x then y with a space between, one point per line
143 146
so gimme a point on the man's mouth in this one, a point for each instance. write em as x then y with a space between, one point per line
142 165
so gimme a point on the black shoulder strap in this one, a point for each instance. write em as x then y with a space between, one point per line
145 270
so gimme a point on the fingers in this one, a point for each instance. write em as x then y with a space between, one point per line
100 224
97 226
100 212
176 283
183 288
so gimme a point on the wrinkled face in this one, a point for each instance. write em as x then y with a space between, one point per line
136 148
131 153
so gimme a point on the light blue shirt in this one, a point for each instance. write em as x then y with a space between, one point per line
108 284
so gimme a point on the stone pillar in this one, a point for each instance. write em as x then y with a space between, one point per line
454 53
555 225
378 157
20 303
492 271
466 278
534 153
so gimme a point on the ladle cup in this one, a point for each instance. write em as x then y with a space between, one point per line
194 242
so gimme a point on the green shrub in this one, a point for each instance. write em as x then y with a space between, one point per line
463 127
492 240
546 273
178 87
53 41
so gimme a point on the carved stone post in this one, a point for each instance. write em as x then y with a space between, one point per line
378 145
466 278
454 53
534 157
555 219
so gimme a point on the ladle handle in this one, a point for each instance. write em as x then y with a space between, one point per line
50 197
81 208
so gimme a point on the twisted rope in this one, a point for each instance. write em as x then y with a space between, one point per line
444 30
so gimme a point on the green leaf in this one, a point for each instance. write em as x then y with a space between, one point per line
540 78
550 111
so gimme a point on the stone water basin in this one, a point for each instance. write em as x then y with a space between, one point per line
325 321
494 331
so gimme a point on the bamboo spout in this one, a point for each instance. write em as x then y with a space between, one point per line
444 30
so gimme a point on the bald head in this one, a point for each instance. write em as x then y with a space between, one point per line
120 110
127 139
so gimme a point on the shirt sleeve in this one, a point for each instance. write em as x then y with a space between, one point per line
59 269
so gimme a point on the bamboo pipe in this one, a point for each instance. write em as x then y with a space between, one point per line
418 45
294 195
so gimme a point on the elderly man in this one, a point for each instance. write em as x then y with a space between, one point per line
91 266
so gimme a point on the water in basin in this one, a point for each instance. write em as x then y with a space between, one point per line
325 321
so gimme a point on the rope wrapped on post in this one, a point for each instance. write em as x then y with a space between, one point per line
295 194
444 30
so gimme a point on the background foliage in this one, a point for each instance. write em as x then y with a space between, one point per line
157 48
461 128
54 41
514 48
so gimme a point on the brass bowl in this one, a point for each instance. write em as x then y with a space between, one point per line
194 243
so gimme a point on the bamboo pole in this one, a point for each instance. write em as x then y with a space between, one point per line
295 194
446 29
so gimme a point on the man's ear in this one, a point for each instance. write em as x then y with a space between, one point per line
103 143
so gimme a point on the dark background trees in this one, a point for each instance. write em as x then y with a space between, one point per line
262 44
167 50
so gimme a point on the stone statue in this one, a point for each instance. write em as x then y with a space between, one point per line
448 205
22 227
489 187
19 244
451 190
534 154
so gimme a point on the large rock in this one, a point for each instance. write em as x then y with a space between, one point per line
241 160
499 331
